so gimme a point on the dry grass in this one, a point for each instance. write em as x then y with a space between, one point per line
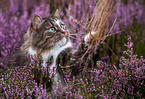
99 22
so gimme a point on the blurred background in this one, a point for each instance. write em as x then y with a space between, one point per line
16 16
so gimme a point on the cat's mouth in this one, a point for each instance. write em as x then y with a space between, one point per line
62 38
64 34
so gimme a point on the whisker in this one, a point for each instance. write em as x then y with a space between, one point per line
72 34
72 37
72 28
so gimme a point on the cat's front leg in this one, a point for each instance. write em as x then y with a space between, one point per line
52 70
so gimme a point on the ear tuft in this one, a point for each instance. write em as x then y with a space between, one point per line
56 14
36 21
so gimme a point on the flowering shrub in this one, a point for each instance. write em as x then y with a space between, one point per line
113 81
25 82
130 21
129 78
123 79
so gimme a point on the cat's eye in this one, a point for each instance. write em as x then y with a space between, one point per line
52 29
63 26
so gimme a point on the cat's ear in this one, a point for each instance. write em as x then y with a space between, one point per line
36 21
56 14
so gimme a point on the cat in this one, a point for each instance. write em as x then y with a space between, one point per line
50 37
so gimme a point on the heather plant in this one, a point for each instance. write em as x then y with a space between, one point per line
124 79
130 21
25 82
129 78
108 81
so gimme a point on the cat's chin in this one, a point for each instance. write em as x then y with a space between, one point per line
62 42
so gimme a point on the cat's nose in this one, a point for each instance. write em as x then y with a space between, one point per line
64 33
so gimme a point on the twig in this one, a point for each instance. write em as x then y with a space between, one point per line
111 50
63 88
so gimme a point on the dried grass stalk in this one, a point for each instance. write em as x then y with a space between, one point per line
99 22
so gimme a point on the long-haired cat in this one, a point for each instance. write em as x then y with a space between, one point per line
48 36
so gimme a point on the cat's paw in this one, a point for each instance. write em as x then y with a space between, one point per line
88 36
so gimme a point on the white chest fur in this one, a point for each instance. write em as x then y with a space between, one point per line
55 51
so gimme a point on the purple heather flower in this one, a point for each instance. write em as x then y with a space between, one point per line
19 15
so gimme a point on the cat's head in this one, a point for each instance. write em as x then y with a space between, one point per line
45 33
